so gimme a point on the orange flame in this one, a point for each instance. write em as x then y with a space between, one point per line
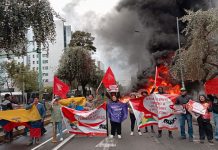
169 88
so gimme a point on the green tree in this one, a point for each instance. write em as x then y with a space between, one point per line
200 55
86 70
77 66
17 17
82 39
69 65
20 76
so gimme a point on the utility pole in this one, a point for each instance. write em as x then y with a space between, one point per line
39 51
181 67
23 84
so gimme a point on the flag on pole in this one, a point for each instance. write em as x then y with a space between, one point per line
158 79
60 88
211 86
108 78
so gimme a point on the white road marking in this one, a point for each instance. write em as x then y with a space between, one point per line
64 142
106 143
38 146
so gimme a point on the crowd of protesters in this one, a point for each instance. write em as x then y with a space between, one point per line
210 102
115 106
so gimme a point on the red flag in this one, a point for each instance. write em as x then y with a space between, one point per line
211 86
158 79
60 88
108 78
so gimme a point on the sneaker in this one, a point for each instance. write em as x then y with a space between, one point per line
61 139
140 133
37 142
119 136
159 135
201 141
29 144
131 133
170 136
54 141
190 139
183 137
111 136
210 141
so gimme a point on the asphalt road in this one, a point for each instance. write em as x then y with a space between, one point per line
146 141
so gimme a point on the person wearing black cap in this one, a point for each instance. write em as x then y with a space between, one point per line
183 100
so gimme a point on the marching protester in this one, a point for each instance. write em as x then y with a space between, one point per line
117 113
7 105
36 126
214 100
56 119
205 127
183 100
161 91
43 126
90 104
132 117
144 94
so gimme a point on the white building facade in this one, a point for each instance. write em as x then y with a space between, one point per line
50 59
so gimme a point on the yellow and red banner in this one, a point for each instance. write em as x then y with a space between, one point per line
20 115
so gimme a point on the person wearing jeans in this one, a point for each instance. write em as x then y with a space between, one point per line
214 100
183 100
215 117
56 119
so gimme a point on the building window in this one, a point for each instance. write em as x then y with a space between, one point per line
45 55
37 62
37 55
33 56
45 68
45 74
34 68
33 62
37 68
45 61
45 80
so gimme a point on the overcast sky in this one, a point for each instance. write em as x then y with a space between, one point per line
86 15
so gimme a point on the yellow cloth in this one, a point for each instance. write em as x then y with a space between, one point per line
21 115
81 101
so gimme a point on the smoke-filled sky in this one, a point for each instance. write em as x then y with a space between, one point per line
114 24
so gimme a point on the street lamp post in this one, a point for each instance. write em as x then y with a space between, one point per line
181 67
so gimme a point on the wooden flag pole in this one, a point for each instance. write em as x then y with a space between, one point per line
98 88
155 80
